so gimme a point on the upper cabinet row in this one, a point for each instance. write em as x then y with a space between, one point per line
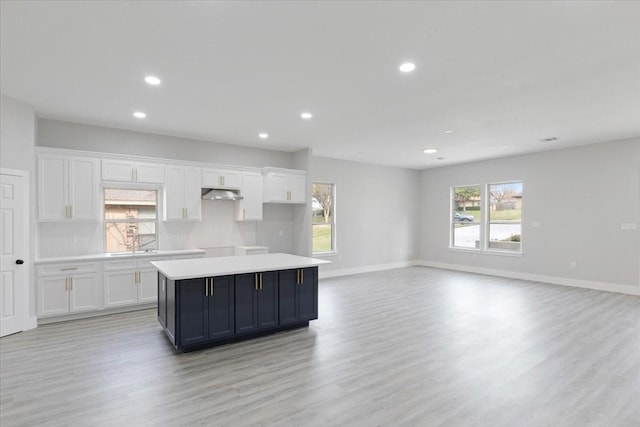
69 187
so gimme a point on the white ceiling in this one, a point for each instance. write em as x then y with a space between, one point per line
501 75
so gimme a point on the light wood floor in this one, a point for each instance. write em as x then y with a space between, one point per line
407 347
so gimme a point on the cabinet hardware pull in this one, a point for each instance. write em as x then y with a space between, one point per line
298 277
70 283
260 280
66 283
68 268
301 276
206 286
256 281
212 290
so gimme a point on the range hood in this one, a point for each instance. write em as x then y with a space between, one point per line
217 194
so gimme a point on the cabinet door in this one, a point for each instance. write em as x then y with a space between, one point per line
287 292
250 207
83 292
221 307
173 193
150 172
231 179
147 285
268 300
83 188
246 314
117 170
120 288
53 295
308 294
276 188
192 193
297 188
52 187
192 306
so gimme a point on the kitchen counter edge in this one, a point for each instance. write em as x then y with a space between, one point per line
109 257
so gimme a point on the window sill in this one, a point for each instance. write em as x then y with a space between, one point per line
324 254
491 252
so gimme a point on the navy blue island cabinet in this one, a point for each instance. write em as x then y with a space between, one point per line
206 311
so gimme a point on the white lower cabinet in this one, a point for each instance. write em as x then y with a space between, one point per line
130 281
68 288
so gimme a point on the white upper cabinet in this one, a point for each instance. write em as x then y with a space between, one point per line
182 193
67 188
222 178
250 207
128 171
285 186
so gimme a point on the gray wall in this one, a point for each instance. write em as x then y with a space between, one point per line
580 196
376 212
17 135
74 136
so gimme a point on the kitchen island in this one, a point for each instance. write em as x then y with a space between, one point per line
210 301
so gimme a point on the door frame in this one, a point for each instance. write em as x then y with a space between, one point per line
29 321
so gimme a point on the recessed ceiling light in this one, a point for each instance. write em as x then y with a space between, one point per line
263 135
152 80
139 114
430 150
306 115
407 67
448 131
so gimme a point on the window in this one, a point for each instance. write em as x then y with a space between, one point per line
501 226
465 217
323 217
504 222
130 220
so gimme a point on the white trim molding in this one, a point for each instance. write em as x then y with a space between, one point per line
555 280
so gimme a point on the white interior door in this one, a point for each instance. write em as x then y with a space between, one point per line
12 247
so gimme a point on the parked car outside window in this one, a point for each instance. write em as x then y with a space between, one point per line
457 216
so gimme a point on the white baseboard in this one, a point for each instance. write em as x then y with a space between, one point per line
95 313
565 281
364 269
30 322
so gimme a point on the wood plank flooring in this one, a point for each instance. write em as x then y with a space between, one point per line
407 347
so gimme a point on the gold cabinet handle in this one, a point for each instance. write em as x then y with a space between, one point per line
256 281
66 283
260 280
301 276
68 268
211 284
70 283
206 286
297 276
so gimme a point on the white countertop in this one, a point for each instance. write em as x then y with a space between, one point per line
222 266
122 255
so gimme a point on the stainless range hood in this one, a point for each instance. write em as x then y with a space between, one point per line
217 194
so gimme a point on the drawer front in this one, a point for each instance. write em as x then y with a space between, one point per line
146 262
67 268
120 264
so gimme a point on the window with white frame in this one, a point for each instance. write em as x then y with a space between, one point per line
323 222
504 219
466 209
130 220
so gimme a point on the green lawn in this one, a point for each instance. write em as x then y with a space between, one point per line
322 238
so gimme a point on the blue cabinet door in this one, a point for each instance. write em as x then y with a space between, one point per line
246 295
193 319
268 300
221 307
307 301
287 290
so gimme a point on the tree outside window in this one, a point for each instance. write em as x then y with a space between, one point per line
323 217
